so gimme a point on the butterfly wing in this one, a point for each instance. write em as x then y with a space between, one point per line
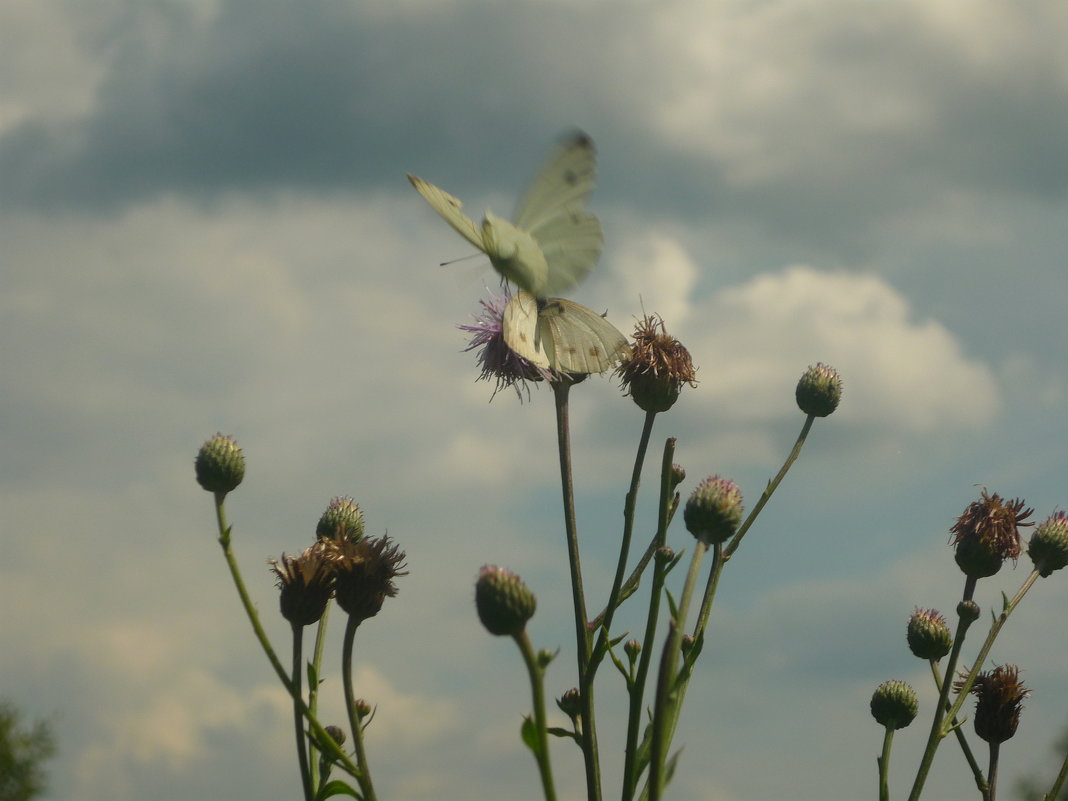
520 328
553 211
451 210
582 340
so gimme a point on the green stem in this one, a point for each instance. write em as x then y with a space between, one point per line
884 765
582 634
632 760
962 740
667 687
772 486
298 716
992 785
257 628
350 705
537 691
624 547
1055 789
313 690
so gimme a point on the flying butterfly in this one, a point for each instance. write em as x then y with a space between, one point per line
550 247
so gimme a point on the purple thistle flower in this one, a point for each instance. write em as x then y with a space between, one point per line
499 362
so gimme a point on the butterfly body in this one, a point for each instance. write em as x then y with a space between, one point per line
550 246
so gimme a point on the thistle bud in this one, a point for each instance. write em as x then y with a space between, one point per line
337 734
894 704
714 510
928 634
306 583
363 708
987 533
503 601
656 367
220 465
545 657
1048 547
570 703
968 611
632 648
342 518
678 475
819 391
999 699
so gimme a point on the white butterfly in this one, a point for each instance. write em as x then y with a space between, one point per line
551 246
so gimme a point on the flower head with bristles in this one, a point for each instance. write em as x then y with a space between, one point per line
306 583
363 573
999 699
656 366
499 362
987 533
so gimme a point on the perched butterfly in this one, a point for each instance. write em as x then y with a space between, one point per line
551 246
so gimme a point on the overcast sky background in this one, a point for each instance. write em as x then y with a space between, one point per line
205 226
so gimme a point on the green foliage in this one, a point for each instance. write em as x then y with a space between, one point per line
23 752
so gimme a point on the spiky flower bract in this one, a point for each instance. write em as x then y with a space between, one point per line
819 391
220 464
306 583
499 362
987 533
999 697
503 601
657 365
363 574
714 510
342 518
1048 547
928 634
894 704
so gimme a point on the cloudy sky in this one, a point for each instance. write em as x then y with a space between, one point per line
206 227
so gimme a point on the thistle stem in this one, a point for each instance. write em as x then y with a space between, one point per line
632 761
254 619
582 635
884 765
313 687
537 691
624 546
298 716
350 705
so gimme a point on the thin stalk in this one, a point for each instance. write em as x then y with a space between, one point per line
992 771
582 635
884 765
1055 789
298 716
962 739
631 763
250 611
350 705
537 692
624 546
772 486
313 690
666 685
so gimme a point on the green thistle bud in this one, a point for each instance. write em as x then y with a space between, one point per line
363 709
570 703
664 555
714 510
968 611
928 634
545 657
342 518
632 648
1048 547
503 601
678 475
819 391
337 734
220 465
894 704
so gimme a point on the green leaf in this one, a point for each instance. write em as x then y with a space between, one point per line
556 731
529 732
336 787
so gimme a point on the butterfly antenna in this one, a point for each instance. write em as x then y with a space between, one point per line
462 258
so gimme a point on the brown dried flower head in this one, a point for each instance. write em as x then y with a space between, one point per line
306 583
987 534
656 367
999 698
363 573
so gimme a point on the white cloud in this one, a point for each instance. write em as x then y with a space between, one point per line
754 340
